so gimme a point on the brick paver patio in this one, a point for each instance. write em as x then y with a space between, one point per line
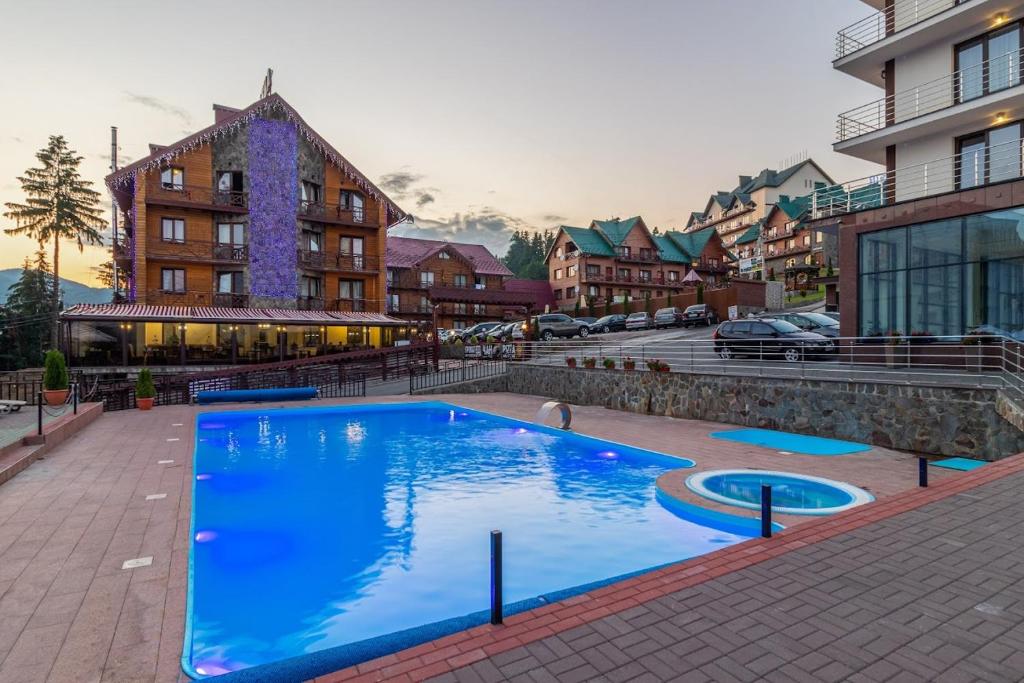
69 612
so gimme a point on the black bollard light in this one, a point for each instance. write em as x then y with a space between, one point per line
496 615
922 472
766 511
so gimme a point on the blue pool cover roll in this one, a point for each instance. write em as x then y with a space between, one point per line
247 395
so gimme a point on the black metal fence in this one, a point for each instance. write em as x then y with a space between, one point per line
462 370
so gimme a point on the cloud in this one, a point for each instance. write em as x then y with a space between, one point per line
399 183
488 226
122 160
17 139
159 105
553 218
424 198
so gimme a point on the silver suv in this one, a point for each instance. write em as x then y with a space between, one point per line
551 325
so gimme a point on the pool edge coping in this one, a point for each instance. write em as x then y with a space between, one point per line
467 647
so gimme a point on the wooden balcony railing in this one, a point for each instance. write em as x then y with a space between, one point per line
194 195
347 305
309 303
194 250
230 300
335 213
349 263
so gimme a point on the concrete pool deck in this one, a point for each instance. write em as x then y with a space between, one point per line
70 612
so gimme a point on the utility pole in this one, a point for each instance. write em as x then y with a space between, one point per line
113 208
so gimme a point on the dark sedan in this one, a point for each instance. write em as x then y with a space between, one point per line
668 317
769 338
609 323
810 322
699 314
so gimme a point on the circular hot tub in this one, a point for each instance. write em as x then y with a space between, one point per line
792 494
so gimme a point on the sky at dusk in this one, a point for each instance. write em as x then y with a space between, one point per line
478 117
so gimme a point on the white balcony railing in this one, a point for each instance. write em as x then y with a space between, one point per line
965 85
902 14
976 168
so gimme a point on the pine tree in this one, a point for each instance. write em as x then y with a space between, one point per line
27 315
59 205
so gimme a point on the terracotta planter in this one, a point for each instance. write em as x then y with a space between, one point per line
144 403
571 362
55 397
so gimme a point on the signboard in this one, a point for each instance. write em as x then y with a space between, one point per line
734 312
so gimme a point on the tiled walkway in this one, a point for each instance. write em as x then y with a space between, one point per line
69 612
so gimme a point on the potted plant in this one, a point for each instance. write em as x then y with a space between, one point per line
570 361
145 391
55 379
589 363
608 363
628 363
655 365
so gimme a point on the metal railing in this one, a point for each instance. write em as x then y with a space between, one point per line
987 362
455 371
996 163
322 211
320 260
886 22
196 250
998 73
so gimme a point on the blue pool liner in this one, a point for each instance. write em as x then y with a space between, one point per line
797 443
257 395
960 464
723 521
311 665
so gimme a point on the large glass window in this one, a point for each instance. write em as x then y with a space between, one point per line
935 244
971 165
935 300
1004 59
970 61
1004 153
172 229
883 250
882 303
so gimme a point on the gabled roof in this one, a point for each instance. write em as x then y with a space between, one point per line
589 241
692 243
670 251
616 229
227 120
751 235
409 252
695 216
539 290
793 208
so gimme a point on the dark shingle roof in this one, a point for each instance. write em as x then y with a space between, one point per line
408 252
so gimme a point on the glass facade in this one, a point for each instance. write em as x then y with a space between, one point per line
944 278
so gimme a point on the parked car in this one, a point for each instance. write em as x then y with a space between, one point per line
615 322
668 317
641 320
699 314
551 325
768 337
832 314
480 330
586 320
509 331
809 322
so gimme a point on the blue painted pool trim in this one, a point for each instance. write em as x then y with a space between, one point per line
723 521
256 395
731 435
304 667
858 496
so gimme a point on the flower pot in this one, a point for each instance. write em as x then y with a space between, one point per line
144 403
55 397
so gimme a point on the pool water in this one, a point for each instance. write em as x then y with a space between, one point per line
791 493
318 528
795 443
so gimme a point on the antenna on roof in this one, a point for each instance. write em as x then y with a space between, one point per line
794 159
268 84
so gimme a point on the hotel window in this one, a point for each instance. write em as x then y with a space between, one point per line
989 157
232 234
557 293
459 308
229 283
819 237
352 201
645 276
352 246
424 305
172 178
393 304
390 276
593 271
459 280
790 262
172 229
559 252
790 244
771 250
673 276
807 240
571 271
558 273
570 292
444 255
309 192
426 279
593 290
172 279
624 252
229 181
646 254
624 274
309 287
479 309
312 241
988 64
479 282
350 289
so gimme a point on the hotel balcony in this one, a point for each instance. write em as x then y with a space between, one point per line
122 250
863 48
196 251
347 305
341 262
639 257
194 196
958 173
962 100
322 212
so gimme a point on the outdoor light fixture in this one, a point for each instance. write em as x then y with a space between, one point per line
1000 118
1000 19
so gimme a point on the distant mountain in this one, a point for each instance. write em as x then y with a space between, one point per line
74 292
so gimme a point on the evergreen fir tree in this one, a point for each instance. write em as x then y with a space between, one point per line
59 205
27 315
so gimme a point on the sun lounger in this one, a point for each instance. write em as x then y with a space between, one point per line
11 406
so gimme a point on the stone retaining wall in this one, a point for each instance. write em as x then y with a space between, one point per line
931 420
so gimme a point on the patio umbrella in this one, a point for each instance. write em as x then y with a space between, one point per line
693 277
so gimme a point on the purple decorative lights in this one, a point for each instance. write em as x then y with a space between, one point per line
273 207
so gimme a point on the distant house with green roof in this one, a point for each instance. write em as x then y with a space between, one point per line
618 257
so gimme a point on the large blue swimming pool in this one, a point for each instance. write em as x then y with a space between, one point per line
330 530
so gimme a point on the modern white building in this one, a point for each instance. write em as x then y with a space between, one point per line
932 243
